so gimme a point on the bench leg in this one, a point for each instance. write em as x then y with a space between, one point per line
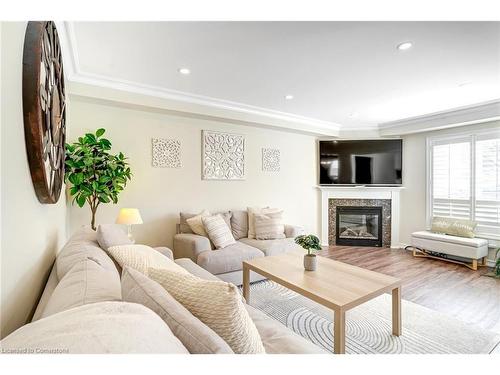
474 264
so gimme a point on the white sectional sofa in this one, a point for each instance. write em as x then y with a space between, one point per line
227 263
94 319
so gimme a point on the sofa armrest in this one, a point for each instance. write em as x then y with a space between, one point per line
292 231
165 251
187 245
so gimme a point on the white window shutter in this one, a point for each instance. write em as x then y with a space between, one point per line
487 204
451 179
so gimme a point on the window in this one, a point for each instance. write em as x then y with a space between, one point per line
464 179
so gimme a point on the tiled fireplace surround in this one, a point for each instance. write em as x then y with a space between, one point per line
386 216
385 197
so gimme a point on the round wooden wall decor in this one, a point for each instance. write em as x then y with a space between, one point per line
44 107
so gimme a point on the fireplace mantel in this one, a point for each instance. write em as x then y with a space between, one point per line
361 192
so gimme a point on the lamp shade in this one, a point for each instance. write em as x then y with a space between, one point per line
129 216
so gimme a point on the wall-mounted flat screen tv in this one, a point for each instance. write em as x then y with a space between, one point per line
361 162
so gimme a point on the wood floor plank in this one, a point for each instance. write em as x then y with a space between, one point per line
449 288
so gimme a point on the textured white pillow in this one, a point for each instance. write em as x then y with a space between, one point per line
251 220
269 226
196 223
142 257
217 304
218 231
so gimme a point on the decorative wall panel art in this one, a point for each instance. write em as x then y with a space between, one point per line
223 156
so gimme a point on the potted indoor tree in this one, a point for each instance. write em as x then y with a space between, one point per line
495 272
310 243
96 175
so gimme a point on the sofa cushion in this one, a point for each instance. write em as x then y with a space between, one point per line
217 304
218 231
277 338
141 258
104 327
272 247
81 245
195 269
87 282
111 235
269 226
228 259
239 224
194 335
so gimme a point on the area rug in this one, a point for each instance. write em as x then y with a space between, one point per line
369 326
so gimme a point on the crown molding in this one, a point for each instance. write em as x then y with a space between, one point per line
154 98
197 104
467 115
81 84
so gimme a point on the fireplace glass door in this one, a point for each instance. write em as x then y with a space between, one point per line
359 226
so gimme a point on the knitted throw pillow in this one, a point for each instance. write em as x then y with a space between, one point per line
217 304
141 258
196 223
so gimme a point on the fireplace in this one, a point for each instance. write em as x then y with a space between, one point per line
358 226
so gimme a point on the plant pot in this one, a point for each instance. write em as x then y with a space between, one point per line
310 262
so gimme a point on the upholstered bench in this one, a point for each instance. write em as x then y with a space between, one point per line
434 245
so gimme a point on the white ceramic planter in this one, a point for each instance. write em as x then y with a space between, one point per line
310 262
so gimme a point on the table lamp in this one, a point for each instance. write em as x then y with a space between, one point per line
129 217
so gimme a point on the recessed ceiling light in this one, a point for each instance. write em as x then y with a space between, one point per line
184 71
288 97
404 46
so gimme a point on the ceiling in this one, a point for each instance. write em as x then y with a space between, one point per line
347 73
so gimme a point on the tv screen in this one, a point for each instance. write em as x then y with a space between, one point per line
361 162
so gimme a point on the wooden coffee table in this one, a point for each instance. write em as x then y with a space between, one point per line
335 285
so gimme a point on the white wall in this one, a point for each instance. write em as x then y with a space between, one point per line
160 193
31 233
413 197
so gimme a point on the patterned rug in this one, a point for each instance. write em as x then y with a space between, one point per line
368 326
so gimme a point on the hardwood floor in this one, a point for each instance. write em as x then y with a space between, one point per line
449 288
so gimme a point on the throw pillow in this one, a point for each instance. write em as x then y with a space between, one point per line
226 216
453 227
183 225
440 224
217 304
111 235
269 226
196 224
87 282
239 224
463 228
260 211
194 335
142 257
218 231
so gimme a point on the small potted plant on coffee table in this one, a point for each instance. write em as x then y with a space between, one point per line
310 243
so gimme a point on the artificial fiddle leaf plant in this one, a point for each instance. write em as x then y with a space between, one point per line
96 175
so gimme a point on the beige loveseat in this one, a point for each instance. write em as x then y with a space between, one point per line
227 263
65 321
